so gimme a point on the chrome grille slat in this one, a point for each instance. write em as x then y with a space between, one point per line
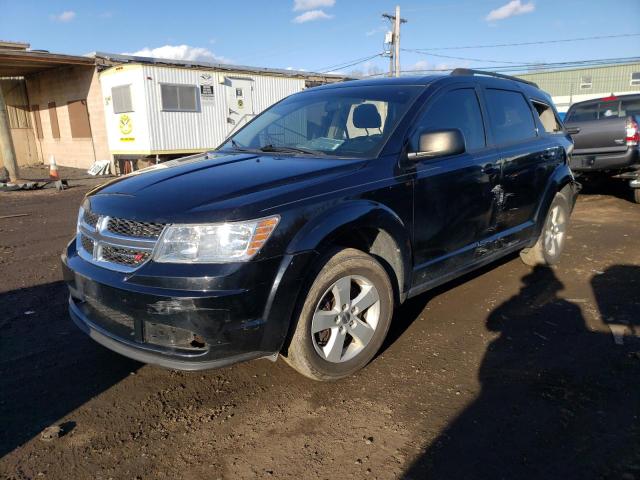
116 243
87 243
90 218
132 228
123 256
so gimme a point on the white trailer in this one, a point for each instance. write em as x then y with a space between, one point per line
162 108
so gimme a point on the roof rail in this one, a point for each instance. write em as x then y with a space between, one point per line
469 71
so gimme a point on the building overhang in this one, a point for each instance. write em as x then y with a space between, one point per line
20 63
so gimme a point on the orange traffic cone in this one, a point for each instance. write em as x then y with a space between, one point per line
53 168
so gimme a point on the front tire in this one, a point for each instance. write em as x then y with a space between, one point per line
550 244
344 318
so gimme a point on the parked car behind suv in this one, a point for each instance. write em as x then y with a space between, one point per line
302 232
606 133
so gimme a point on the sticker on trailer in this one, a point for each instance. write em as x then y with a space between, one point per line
206 92
206 87
126 125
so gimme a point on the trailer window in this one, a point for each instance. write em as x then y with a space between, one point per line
121 97
179 98
635 79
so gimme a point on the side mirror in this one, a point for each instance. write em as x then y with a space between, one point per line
441 143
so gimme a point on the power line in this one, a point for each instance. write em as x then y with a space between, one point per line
422 52
535 66
542 42
348 63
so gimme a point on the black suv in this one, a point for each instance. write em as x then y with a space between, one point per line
303 231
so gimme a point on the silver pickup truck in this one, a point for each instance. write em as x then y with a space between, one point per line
606 135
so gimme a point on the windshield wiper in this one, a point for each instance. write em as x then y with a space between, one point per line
273 148
239 148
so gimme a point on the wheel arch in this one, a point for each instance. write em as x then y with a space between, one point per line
561 179
367 226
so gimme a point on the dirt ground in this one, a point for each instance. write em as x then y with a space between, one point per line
509 373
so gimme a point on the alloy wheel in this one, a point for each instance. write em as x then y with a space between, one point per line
345 318
555 231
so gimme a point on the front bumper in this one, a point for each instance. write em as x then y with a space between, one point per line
186 317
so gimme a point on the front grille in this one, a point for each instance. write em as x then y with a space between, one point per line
86 243
124 256
90 218
116 243
132 228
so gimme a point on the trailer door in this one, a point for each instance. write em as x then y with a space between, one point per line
239 102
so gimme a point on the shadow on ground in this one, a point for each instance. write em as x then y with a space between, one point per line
48 367
603 185
558 400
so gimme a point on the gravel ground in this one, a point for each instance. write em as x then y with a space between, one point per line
508 373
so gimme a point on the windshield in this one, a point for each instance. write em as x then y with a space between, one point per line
341 122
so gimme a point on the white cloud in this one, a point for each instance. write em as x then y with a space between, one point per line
427 68
514 7
303 5
311 16
65 16
180 52
373 31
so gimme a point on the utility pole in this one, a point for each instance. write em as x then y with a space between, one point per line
394 49
6 143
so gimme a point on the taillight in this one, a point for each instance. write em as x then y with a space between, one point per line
633 132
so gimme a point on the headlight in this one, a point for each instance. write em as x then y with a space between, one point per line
214 243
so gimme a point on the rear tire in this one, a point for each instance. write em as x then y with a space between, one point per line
344 317
550 244
636 195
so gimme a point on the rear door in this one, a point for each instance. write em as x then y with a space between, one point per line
453 197
527 158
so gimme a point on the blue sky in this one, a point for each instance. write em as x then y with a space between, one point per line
312 34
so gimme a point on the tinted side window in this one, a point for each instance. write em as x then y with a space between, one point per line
456 109
630 107
510 115
583 113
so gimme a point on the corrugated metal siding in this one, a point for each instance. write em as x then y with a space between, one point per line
606 79
206 129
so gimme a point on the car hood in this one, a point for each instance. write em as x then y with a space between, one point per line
215 185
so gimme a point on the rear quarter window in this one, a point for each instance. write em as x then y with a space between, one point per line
548 118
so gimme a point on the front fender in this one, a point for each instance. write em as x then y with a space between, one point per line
352 216
310 242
